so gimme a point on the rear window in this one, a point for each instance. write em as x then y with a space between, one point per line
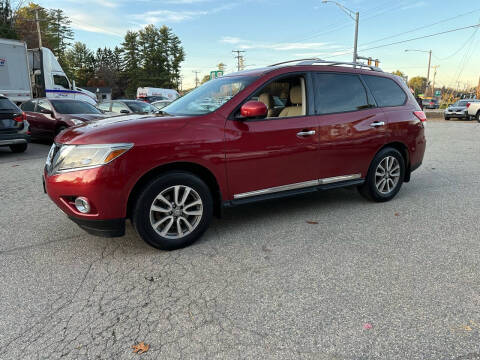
6 104
385 91
336 93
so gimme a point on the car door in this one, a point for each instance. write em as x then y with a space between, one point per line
351 127
271 155
46 121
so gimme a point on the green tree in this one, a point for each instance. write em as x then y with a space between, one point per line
7 29
59 33
399 73
131 62
81 62
418 83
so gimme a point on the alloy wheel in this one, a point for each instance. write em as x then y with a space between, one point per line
176 212
387 175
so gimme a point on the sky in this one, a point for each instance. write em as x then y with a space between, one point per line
278 30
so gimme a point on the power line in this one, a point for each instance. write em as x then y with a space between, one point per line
412 39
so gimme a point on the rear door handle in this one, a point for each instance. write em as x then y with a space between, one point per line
377 124
306 133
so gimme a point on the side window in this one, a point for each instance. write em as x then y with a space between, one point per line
43 105
117 107
285 97
105 106
28 106
337 93
61 80
385 91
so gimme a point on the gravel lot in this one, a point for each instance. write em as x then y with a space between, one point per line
263 283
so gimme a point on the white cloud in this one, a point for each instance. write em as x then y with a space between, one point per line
287 46
231 40
158 16
414 5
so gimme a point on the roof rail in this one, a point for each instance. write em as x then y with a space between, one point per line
315 61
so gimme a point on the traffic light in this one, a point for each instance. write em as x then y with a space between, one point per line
369 61
377 62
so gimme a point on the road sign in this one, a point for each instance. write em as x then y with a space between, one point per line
216 74
438 93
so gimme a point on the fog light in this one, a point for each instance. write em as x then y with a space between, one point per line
82 205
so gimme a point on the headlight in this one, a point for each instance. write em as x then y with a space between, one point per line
78 157
77 121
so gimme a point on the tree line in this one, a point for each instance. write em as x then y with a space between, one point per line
151 56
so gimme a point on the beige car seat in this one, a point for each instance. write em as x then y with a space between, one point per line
267 99
296 108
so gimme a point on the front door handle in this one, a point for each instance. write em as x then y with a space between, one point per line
377 124
306 133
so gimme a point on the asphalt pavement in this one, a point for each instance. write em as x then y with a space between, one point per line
324 276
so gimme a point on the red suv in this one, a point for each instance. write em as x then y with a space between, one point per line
286 129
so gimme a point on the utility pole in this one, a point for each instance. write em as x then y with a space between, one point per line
239 58
478 89
37 20
196 72
435 67
429 62
355 16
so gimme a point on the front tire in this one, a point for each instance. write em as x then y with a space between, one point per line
173 211
447 118
18 148
385 176
478 116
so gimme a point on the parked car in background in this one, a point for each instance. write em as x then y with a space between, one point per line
473 109
430 104
150 92
458 110
47 117
161 104
151 99
220 145
128 107
14 131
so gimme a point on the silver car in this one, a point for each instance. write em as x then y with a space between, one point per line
458 110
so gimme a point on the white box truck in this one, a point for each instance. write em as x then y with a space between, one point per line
35 73
14 71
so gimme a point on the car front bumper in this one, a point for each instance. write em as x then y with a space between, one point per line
459 115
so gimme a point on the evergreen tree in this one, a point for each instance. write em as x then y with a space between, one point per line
7 29
81 62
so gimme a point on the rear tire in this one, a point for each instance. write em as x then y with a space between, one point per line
478 116
173 210
385 176
18 148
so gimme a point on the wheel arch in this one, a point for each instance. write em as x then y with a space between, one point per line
202 172
403 149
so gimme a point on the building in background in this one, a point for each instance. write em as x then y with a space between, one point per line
102 93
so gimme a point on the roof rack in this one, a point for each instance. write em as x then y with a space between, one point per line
314 61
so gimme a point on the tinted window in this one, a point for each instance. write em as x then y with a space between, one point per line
386 91
61 81
74 107
6 104
28 106
336 93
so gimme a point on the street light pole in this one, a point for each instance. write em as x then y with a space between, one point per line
355 16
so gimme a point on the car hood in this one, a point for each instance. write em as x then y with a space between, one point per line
83 117
120 129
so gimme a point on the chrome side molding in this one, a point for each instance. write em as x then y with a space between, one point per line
299 185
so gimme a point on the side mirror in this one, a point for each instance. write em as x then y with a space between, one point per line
254 109
46 111
124 112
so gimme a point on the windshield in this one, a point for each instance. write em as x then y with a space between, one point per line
461 103
141 107
209 97
74 107
6 104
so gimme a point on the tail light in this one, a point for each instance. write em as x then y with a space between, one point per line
420 115
20 118
468 104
